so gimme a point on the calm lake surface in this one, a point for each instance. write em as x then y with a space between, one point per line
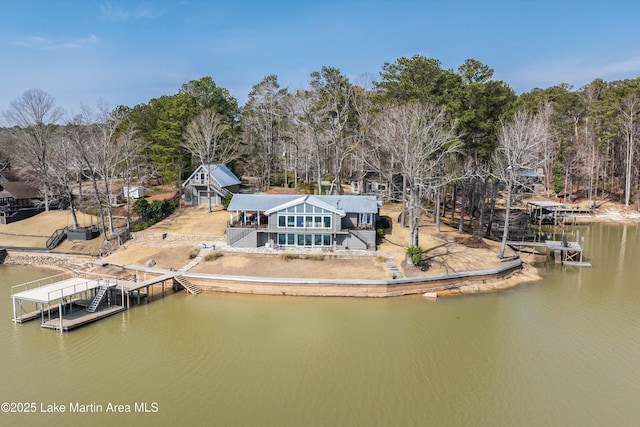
564 351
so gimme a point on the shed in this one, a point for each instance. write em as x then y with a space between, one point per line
135 192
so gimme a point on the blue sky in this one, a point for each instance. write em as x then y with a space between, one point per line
128 52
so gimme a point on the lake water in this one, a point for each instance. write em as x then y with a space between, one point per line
564 351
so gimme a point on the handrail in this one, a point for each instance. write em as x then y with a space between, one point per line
359 237
57 236
244 233
26 285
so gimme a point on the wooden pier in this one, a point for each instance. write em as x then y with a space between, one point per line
68 303
564 252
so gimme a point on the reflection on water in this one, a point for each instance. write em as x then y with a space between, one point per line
564 351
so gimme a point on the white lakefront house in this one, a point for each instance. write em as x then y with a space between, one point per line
303 221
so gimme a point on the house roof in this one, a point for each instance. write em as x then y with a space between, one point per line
272 202
18 190
312 200
219 173
10 176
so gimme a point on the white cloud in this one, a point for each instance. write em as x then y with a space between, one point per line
111 13
117 14
46 43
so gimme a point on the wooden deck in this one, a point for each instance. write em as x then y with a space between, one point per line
80 318
565 252
69 292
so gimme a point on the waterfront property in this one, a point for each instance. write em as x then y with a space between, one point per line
216 178
319 222
18 198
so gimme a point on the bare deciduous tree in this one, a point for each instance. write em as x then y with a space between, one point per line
205 139
629 111
31 119
419 137
518 149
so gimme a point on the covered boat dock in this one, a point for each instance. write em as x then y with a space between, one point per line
554 213
68 303
64 303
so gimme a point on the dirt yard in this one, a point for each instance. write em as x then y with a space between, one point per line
447 251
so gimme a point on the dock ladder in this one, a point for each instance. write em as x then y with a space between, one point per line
190 287
102 291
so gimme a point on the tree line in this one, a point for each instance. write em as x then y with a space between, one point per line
455 137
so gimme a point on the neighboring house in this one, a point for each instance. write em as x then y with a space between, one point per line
221 181
530 180
371 183
321 222
18 198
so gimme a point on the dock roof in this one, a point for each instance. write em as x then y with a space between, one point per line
54 291
546 204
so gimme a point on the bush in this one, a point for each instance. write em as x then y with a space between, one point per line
415 252
384 222
194 253
152 213
226 200
212 256
288 257
315 257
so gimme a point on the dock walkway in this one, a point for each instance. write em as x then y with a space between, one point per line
565 252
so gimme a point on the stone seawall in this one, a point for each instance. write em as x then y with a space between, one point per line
49 260
468 282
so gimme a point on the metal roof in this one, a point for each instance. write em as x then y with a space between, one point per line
546 204
312 200
219 173
264 202
64 288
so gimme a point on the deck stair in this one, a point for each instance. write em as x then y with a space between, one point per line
102 291
190 287
56 238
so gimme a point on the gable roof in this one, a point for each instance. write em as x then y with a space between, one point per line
312 200
267 202
219 173
18 190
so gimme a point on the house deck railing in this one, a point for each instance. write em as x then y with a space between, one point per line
240 224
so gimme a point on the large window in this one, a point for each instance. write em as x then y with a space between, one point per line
305 215
304 221
305 240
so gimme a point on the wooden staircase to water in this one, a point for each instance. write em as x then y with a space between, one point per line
190 287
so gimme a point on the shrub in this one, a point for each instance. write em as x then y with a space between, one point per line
289 257
315 257
415 252
384 222
152 213
194 253
212 256
226 200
